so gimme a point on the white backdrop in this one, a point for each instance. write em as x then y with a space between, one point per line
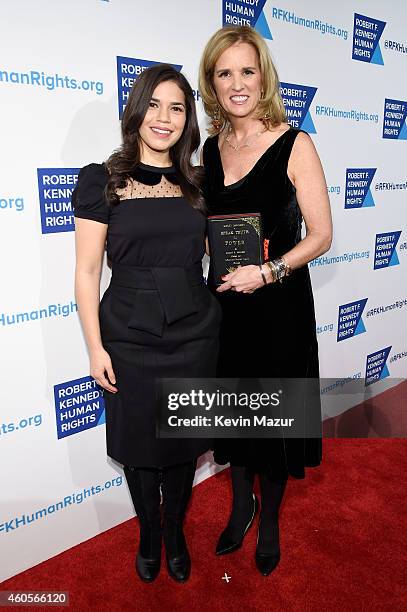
59 111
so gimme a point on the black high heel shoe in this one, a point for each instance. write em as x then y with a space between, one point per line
267 562
226 544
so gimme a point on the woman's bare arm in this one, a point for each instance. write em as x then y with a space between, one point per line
306 173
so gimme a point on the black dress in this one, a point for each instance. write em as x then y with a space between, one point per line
157 317
270 333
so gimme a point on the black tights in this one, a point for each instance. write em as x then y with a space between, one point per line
242 506
272 492
144 487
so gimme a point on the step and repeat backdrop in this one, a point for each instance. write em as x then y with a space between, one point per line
66 69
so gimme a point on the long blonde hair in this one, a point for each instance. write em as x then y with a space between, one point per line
270 108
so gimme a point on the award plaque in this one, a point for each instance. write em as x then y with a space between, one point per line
234 240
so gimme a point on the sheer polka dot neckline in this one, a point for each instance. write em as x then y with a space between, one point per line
151 182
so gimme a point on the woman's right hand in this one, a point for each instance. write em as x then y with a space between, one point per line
101 369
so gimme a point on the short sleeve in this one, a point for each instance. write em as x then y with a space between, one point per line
88 198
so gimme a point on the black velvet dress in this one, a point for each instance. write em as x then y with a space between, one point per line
157 317
270 333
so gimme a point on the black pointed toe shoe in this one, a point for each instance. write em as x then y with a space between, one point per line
266 563
179 568
228 543
147 569
267 555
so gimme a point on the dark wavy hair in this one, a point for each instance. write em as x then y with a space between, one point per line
124 160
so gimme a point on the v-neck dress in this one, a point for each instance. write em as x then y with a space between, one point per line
157 318
270 333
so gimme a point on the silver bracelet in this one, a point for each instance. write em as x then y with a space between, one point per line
262 275
280 268
272 269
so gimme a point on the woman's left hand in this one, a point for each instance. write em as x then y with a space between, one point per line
245 279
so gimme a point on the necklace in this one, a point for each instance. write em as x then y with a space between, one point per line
248 142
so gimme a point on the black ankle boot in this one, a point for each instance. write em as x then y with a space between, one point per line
230 540
144 486
177 555
177 487
148 559
147 569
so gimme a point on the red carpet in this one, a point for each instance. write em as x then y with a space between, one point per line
343 541
382 416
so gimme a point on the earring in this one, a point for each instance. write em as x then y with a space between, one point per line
216 120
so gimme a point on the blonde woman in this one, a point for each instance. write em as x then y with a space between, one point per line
255 162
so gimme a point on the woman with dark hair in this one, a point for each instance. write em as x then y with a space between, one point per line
157 319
